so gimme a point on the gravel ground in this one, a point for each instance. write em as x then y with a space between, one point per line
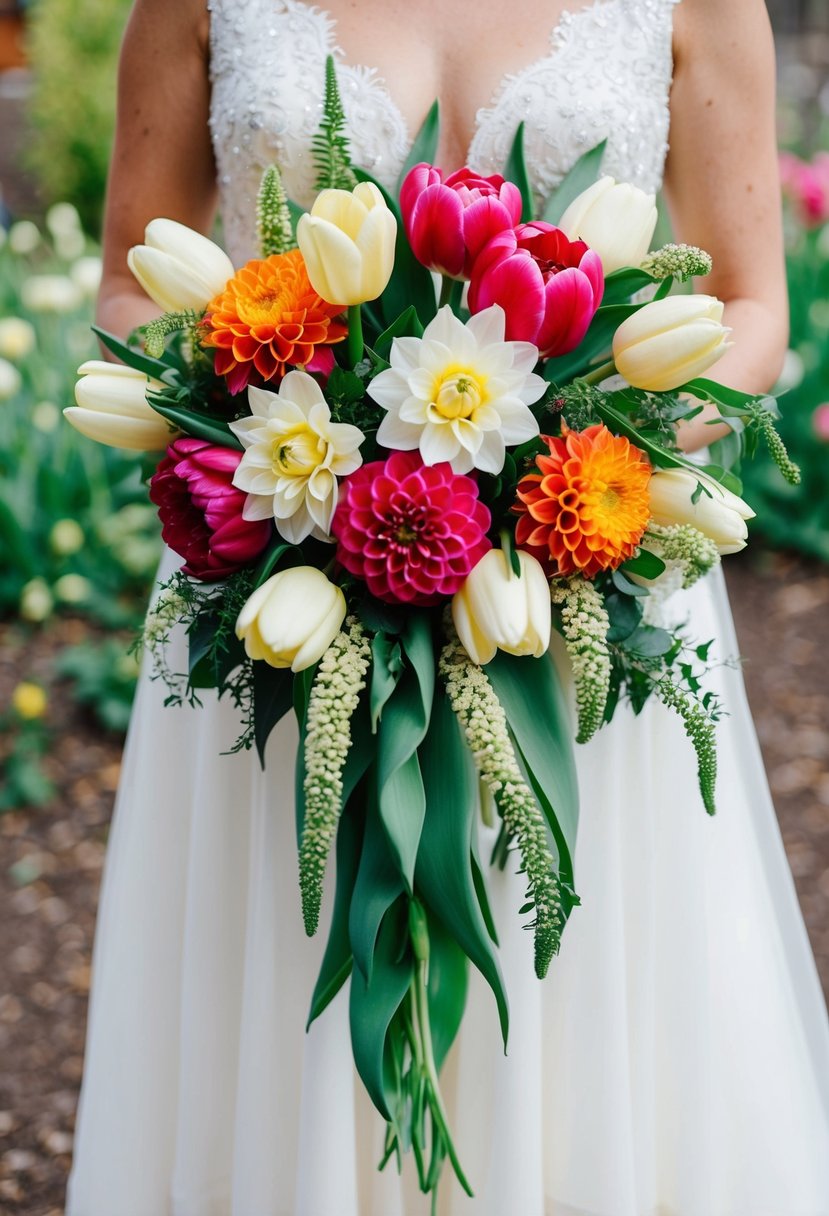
51 859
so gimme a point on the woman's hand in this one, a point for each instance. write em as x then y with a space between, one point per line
722 184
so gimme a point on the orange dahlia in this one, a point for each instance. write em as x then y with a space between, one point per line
587 508
268 316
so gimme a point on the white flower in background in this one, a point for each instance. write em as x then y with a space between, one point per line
293 456
24 237
50 293
73 589
178 268
62 218
36 602
615 219
66 537
70 245
17 338
86 275
460 393
10 380
45 417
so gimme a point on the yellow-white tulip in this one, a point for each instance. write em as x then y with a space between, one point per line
669 342
347 241
496 609
717 513
615 219
112 408
292 619
178 268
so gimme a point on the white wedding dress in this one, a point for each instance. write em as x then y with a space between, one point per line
676 1060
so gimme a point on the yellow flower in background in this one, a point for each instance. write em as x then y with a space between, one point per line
29 701
66 537
347 241
669 342
36 601
17 338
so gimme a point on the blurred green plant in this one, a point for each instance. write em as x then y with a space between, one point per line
73 51
76 529
26 740
798 516
103 676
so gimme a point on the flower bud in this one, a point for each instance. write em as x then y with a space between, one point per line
347 242
292 619
669 342
496 609
113 409
615 219
717 513
178 268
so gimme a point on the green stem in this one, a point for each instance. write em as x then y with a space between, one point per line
355 334
446 287
599 373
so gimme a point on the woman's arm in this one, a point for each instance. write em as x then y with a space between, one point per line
162 163
723 187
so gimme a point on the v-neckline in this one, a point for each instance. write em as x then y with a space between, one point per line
556 41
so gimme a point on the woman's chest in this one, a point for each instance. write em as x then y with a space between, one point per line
600 72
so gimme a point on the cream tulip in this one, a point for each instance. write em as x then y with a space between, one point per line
292 619
496 609
178 268
615 219
112 408
717 513
347 241
669 342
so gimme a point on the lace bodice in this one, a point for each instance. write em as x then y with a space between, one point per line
607 73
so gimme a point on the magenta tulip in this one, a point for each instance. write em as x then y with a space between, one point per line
548 286
201 510
449 222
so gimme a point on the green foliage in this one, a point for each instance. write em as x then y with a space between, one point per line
73 49
102 677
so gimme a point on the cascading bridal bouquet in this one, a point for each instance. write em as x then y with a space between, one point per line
387 503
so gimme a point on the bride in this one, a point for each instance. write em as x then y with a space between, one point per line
676 1061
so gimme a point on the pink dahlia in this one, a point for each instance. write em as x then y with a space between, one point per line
412 531
201 510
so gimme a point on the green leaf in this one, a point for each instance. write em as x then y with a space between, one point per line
728 451
515 171
425 146
271 560
198 425
645 564
407 325
386 670
625 613
445 872
337 960
448 983
272 699
373 1006
132 357
530 692
622 284
627 587
732 401
402 729
378 885
649 642
578 179
725 477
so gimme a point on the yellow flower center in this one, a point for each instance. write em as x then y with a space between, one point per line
458 394
297 453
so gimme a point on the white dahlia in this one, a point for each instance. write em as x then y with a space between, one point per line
460 393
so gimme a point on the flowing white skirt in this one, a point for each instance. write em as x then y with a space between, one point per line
674 1063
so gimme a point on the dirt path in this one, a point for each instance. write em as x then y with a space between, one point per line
50 860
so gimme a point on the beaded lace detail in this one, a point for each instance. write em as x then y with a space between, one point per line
607 74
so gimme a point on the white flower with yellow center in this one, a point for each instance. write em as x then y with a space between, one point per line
293 456
460 393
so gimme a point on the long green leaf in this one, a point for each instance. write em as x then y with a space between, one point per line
386 670
515 171
425 144
448 984
378 885
272 699
597 341
578 179
445 875
622 284
530 692
193 423
132 357
373 1006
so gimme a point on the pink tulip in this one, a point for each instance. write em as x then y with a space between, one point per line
449 222
820 422
548 286
807 185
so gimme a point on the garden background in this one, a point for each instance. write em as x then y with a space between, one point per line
79 545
